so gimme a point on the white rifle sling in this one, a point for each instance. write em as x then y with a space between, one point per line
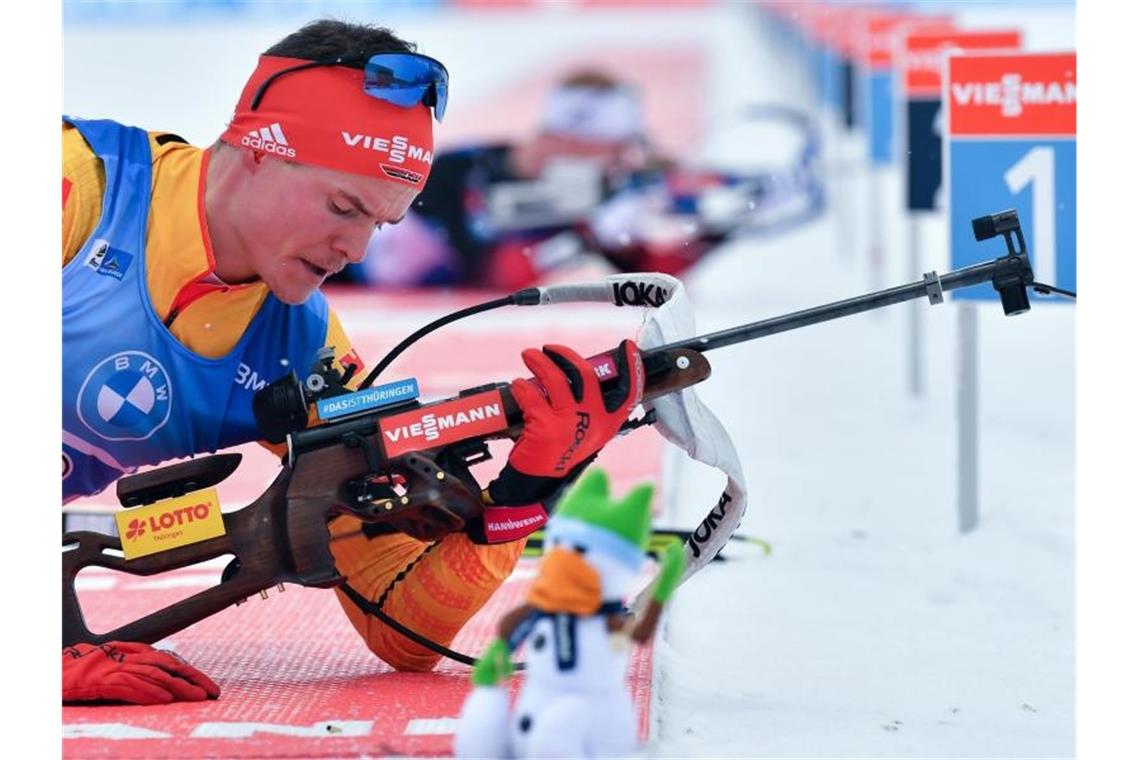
691 426
681 416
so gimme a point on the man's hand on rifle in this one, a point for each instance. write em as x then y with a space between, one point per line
563 429
133 673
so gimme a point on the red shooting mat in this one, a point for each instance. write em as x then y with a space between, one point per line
296 679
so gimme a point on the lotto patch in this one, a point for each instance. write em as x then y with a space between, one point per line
170 523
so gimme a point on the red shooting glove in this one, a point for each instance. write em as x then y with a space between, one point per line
566 428
131 672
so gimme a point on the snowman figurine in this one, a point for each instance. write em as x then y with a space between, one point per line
574 701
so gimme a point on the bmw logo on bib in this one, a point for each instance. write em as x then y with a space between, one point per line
126 397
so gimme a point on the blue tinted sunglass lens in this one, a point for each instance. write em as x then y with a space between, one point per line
402 95
405 79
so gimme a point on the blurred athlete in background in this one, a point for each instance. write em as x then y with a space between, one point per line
587 183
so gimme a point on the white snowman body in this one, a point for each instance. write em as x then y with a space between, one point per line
574 701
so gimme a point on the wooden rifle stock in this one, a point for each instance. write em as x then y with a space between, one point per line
283 536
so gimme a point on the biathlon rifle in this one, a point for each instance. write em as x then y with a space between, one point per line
714 205
405 465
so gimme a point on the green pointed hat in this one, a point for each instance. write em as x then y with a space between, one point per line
589 502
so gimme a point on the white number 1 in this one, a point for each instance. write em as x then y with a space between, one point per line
1036 167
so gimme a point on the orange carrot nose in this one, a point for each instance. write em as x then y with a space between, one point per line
566 583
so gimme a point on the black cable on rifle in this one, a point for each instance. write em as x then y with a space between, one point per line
525 297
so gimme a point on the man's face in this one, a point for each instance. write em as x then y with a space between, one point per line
299 224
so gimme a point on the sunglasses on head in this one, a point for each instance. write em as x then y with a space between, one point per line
402 79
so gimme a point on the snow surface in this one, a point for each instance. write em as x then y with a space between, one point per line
874 629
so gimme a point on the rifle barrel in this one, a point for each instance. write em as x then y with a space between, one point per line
959 278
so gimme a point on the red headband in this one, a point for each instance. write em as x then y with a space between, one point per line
322 117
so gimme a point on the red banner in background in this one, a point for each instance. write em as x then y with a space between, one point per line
924 55
873 43
1013 94
876 44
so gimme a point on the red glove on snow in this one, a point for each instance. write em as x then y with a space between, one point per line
566 428
131 672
